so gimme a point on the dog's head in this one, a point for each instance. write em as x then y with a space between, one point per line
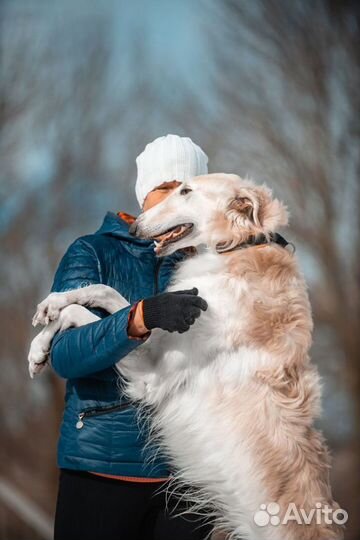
219 210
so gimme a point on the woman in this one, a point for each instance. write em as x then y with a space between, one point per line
111 478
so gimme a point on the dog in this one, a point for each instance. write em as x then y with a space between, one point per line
233 400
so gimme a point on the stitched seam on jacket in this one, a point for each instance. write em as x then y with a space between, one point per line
97 259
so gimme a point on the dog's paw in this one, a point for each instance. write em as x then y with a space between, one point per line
49 309
35 369
38 356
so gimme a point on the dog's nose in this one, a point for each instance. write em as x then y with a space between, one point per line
133 228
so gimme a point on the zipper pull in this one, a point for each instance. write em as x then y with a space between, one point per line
80 423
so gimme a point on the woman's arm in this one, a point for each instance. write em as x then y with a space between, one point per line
83 351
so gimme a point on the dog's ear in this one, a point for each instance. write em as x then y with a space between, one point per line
255 209
246 205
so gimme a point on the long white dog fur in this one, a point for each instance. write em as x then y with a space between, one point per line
234 398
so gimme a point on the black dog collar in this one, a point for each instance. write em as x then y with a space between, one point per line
260 240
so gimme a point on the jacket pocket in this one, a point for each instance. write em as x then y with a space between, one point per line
98 411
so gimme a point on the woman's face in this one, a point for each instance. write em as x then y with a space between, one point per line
158 194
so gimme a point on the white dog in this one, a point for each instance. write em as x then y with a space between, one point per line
234 398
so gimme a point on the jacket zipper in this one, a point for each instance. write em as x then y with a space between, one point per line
98 412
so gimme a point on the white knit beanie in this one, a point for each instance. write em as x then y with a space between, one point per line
165 159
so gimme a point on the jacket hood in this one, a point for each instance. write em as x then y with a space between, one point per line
114 225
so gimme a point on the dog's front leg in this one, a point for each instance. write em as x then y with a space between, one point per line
104 297
101 296
70 316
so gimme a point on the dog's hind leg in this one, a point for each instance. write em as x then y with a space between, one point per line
101 296
70 316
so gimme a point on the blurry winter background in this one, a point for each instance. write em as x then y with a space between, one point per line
269 88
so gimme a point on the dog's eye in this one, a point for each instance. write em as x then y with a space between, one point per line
185 191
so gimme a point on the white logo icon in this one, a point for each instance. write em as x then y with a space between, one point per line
267 514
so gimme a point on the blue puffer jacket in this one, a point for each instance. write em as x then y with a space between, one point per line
100 431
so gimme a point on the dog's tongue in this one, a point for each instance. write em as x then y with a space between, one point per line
167 236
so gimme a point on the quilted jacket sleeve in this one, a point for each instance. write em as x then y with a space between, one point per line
83 351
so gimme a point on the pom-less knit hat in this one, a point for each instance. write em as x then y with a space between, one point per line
165 159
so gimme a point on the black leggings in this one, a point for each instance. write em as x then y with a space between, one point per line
91 507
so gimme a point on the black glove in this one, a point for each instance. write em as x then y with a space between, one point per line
173 311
